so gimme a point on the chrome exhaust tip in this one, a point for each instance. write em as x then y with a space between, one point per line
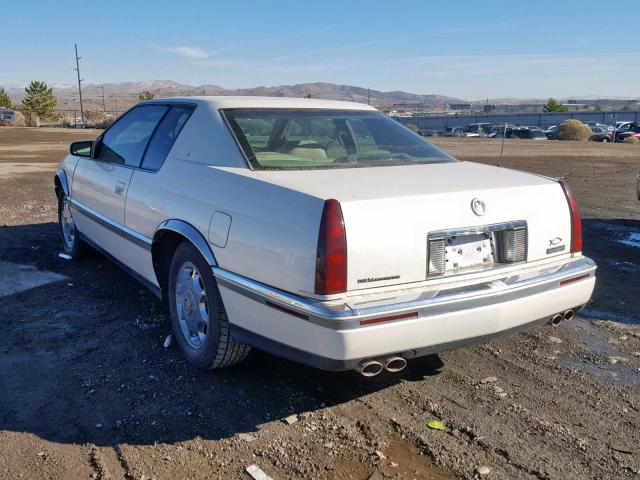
369 368
395 364
556 320
569 314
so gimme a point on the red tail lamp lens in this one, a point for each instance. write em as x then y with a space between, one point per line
331 262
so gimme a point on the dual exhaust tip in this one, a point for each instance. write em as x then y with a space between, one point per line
558 318
371 368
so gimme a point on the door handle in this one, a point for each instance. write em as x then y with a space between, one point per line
119 188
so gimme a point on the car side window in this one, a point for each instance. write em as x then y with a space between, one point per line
165 135
126 140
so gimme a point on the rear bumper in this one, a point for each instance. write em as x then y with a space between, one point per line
410 322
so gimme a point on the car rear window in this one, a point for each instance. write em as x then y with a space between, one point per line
286 139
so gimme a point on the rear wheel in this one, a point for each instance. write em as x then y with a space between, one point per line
198 317
70 242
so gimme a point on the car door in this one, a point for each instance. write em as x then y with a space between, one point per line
101 182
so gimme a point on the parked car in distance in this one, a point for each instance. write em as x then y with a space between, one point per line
454 131
321 231
425 132
595 124
527 133
536 134
551 132
481 129
627 131
600 134
498 129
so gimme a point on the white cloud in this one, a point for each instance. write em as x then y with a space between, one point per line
193 53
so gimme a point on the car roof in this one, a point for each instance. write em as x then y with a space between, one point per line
219 102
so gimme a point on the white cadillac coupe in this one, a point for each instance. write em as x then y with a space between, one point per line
320 231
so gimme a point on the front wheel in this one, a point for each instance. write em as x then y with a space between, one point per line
198 317
69 239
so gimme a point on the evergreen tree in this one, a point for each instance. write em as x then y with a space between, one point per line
554 106
5 101
39 100
146 95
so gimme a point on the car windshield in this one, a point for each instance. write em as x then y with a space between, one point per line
284 139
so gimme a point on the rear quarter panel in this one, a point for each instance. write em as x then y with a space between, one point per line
274 230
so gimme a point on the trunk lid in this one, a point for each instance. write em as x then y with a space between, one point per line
389 212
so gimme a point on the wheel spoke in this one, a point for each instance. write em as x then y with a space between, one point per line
191 305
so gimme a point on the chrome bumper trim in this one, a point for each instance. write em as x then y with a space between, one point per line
426 302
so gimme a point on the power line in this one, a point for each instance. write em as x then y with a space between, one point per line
104 107
77 69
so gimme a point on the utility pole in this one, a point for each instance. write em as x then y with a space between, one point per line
104 107
77 69
368 96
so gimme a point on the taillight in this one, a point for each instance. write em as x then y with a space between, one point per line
331 262
576 223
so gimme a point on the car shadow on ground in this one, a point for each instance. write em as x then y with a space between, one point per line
83 360
615 246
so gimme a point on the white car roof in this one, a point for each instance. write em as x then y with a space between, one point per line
269 102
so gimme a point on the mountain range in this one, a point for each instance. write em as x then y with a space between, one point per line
121 96
126 94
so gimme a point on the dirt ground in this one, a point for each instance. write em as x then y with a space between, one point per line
88 390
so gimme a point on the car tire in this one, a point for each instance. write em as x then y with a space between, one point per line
198 317
70 242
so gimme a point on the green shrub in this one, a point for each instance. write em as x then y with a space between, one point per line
574 130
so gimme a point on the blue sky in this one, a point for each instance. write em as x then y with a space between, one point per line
465 49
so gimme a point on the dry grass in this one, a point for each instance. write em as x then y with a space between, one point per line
574 130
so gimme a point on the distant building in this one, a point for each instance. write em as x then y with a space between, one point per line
7 115
488 107
460 106
573 106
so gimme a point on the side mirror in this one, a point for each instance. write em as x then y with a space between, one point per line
81 149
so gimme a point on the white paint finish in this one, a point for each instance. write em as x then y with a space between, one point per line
205 139
17 278
380 183
274 233
222 102
389 211
404 335
95 187
219 229
389 237
273 237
